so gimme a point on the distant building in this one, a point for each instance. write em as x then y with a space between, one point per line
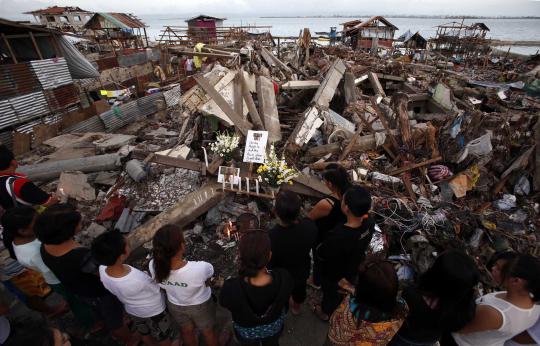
369 35
64 18
121 30
413 41
204 28
461 39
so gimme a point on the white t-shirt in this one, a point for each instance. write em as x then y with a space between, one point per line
28 256
187 286
515 321
140 294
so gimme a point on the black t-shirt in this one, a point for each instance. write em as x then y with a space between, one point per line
250 305
344 249
422 324
291 246
77 271
25 191
330 221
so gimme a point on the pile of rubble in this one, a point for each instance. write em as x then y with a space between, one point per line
449 151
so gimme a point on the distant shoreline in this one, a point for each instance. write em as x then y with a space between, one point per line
407 16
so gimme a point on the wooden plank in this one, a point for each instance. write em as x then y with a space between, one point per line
352 142
6 42
237 88
376 84
349 88
268 108
301 85
170 161
280 64
202 54
21 143
182 213
36 47
309 186
237 120
253 112
326 91
416 165
391 77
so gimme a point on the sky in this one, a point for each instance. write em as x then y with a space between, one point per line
12 9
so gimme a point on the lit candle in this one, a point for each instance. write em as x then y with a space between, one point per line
257 186
232 182
240 184
223 183
247 183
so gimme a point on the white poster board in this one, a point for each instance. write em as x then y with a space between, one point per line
256 146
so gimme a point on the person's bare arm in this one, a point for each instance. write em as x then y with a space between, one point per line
486 318
320 210
52 200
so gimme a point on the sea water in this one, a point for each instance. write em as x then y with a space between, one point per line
500 29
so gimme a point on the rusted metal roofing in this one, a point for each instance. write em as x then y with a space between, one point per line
370 22
58 10
113 20
19 109
52 73
62 97
17 79
106 63
204 17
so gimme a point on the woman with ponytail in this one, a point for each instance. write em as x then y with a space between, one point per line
500 316
189 297
257 298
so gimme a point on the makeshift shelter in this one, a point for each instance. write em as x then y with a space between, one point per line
203 28
413 41
461 39
118 29
369 35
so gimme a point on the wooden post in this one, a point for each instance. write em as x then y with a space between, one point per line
6 42
145 37
56 46
36 47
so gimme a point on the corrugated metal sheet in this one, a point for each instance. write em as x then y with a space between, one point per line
172 96
52 73
132 59
6 138
122 115
93 124
106 63
22 108
17 79
62 97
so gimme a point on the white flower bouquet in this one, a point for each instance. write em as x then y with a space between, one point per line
225 145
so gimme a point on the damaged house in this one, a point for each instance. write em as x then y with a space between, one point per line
66 18
461 40
369 35
119 30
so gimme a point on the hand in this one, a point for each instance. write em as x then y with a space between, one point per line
346 285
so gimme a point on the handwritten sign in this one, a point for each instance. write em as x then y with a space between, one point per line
255 146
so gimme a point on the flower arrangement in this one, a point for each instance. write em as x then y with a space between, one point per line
275 171
225 145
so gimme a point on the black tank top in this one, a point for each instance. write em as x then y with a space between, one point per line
334 218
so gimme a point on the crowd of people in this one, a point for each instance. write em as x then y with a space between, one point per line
172 301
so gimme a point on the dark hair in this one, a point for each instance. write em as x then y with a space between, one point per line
108 247
247 221
254 251
13 220
452 280
6 156
32 334
337 176
166 243
358 200
377 284
57 224
525 267
504 255
288 205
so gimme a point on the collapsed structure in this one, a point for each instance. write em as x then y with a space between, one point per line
449 151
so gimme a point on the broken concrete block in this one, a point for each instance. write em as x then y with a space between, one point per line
301 84
75 185
94 230
181 152
106 178
113 142
162 132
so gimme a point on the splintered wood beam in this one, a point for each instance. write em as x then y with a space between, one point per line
241 124
376 84
170 161
268 108
253 112
182 213
416 165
